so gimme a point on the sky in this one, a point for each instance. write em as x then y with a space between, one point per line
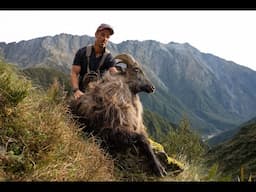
229 34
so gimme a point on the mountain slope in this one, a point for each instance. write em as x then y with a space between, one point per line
44 77
217 95
193 78
227 135
238 152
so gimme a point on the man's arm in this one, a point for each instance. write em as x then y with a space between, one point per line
75 70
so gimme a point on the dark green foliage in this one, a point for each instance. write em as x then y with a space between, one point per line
13 86
214 174
240 151
222 137
184 142
44 77
227 135
164 104
157 126
23 143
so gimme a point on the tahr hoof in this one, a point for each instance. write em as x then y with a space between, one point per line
160 171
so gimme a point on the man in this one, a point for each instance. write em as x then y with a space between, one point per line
80 65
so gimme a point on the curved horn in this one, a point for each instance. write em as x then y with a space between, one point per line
126 58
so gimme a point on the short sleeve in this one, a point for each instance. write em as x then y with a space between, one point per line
110 61
78 59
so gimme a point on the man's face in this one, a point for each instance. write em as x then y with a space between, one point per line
102 38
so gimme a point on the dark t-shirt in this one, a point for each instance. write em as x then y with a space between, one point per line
81 60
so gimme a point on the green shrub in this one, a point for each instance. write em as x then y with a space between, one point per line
13 86
184 142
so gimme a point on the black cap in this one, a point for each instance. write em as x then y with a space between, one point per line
106 26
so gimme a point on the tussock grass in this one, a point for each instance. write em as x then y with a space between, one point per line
66 154
38 139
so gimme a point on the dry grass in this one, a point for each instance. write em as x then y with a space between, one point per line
72 157
40 142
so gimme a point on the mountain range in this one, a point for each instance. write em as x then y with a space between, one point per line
216 95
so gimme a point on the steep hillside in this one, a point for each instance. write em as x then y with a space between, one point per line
227 135
157 126
240 151
222 137
39 141
44 77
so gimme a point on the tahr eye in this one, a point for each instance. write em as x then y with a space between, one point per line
136 70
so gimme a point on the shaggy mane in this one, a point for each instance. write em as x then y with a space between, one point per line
108 103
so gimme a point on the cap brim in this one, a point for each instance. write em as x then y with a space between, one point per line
107 28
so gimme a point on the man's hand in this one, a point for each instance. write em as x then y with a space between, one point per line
78 94
112 70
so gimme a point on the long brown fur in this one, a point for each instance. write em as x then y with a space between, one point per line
111 109
109 103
